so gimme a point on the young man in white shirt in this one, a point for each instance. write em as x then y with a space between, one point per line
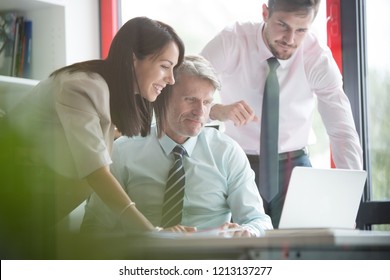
307 71
220 189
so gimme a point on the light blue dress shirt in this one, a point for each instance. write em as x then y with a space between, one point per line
219 186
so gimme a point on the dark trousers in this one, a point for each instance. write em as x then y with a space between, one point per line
286 165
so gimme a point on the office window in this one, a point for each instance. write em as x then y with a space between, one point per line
198 21
378 96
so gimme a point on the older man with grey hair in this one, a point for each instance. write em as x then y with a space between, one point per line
219 185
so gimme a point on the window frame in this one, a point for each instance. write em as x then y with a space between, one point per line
354 65
109 23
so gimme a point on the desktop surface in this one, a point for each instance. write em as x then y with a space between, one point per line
278 244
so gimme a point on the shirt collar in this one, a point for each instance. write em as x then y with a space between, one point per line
167 144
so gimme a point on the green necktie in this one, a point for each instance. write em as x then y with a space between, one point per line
269 159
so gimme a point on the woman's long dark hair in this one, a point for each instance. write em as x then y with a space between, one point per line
142 37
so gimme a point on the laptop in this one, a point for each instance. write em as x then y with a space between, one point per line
322 198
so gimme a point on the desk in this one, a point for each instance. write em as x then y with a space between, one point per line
317 244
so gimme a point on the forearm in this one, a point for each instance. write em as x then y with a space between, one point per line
336 113
250 214
344 141
347 153
112 194
240 113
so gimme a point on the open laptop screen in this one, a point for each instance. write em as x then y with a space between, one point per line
322 198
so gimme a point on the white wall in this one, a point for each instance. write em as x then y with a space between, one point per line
82 30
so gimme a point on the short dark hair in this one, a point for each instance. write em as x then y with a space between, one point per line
294 5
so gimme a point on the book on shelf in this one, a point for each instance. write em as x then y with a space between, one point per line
26 53
15 45
7 40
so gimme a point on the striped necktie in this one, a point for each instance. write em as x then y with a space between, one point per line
269 159
174 191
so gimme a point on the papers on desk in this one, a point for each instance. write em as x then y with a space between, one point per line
328 236
207 233
312 231
298 231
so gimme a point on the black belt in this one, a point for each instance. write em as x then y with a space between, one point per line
292 154
283 156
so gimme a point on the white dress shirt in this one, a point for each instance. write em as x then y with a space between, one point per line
239 55
219 184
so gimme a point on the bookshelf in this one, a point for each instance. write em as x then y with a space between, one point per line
63 31
48 42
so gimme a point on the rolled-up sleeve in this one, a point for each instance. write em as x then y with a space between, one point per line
82 105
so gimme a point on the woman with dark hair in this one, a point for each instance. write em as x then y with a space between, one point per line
69 119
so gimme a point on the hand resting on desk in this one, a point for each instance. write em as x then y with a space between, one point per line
231 230
180 228
225 230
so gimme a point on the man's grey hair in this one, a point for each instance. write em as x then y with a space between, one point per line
198 66
193 65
